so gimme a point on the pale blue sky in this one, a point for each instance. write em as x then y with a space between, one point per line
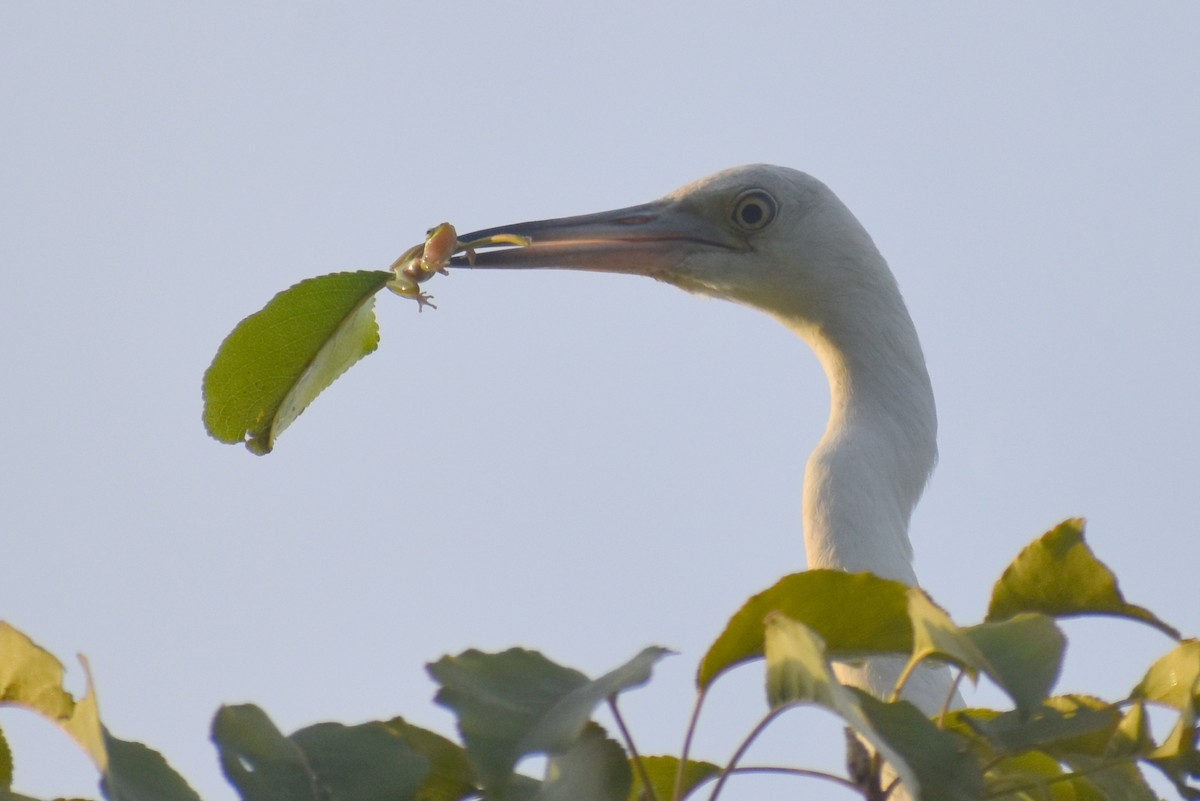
584 464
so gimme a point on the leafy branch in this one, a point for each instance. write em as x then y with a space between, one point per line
517 703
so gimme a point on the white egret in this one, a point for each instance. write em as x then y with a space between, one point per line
780 241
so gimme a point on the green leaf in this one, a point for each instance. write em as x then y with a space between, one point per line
944 766
138 773
1174 679
854 613
559 727
594 768
1059 575
1132 737
933 764
450 776
9 795
1070 724
1121 781
662 772
257 759
6 763
518 702
367 762
1029 777
1024 655
277 360
1177 756
936 636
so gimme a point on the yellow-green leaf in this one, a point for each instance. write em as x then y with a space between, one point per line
277 360
936 635
663 772
856 614
1174 679
31 677
1058 575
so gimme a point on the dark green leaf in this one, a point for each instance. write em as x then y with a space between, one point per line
518 702
662 771
944 766
562 724
138 773
1062 725
923 756
1024 655
1058 575
854 613
367 762
258 760
594 768
277 360
450 775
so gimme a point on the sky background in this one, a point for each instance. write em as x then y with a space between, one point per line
579 463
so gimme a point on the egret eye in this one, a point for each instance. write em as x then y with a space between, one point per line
754 210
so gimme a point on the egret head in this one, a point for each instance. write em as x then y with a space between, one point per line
779 240
769 237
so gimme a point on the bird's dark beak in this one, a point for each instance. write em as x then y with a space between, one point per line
650 239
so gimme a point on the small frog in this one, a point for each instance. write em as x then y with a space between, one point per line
419 263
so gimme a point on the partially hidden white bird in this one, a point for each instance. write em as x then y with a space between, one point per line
780 241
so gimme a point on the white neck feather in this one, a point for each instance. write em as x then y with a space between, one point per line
879 448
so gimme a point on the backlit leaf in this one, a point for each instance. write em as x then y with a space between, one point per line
1058 575
935 635
1029 776
1174 679
31 677
277 360
662 772
1121 781
854 613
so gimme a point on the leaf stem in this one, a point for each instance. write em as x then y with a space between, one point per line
805 773
904 677
945 710
745 746
633 752
677 793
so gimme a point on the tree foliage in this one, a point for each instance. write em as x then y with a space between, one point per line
519 702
